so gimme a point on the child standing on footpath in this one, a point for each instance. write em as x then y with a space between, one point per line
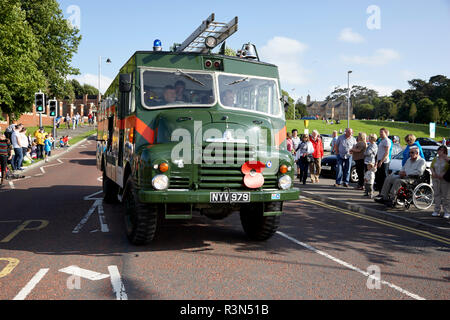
369 179
47 147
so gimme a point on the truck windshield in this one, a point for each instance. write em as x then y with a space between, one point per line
253 94
177 87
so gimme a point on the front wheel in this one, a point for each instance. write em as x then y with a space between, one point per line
256 225
140 218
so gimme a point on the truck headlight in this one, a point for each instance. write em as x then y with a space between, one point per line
285 182
160 182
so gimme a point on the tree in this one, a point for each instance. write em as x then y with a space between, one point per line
300 109
434 115
290 110
359 95
385 108
20 77
393 110
365 111
230 52
90 90
413 112
424 110
80 90
58 41
444 112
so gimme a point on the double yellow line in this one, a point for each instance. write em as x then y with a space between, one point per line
383 222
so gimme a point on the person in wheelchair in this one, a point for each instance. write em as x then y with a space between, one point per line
413 169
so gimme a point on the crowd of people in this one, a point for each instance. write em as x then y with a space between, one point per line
19 148
75 121
372 155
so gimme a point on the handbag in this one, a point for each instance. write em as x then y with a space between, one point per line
447 174
307 159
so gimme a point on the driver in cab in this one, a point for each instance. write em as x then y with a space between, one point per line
169 95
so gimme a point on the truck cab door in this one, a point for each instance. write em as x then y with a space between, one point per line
123 112
110 159
125 89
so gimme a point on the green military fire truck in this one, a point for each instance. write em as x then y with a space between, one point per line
188 132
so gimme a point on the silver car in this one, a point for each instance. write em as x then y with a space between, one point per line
326 140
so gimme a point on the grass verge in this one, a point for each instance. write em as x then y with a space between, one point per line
367 126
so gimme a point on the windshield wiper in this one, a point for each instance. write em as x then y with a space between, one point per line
191 78
238 81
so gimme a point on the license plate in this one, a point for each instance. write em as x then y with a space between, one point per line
230 197
327 168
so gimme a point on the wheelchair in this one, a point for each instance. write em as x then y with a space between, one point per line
419 193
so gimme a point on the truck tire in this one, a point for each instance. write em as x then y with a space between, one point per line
110 190
140 219
255 225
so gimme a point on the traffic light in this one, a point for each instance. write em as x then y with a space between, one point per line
52 105
40 102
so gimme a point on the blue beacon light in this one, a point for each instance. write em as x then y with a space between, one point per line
157 45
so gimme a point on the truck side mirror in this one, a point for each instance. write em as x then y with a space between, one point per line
125 82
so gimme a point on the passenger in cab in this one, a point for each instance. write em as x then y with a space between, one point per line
180 87
228 98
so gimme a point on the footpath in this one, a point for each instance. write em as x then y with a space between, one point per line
354 200
57 152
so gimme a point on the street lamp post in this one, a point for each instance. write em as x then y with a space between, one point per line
294 101
100 71
348 100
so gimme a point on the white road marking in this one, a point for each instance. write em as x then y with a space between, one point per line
101 217
345 264
86 217
89 197
100 179
116 281
42 169
98 205
83 273
30 285
11 184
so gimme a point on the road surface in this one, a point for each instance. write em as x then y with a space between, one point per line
59 241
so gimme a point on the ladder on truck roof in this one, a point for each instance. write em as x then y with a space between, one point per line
209 28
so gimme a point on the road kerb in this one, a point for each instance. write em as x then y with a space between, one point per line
378 214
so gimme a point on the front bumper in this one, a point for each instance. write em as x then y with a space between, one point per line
180 196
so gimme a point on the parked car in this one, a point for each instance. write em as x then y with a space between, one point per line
326 140
395 139
429 152
329 168
396 147
427 142
447 142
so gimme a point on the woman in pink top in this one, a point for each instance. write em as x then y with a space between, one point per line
290 143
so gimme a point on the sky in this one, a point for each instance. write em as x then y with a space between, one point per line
384 43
